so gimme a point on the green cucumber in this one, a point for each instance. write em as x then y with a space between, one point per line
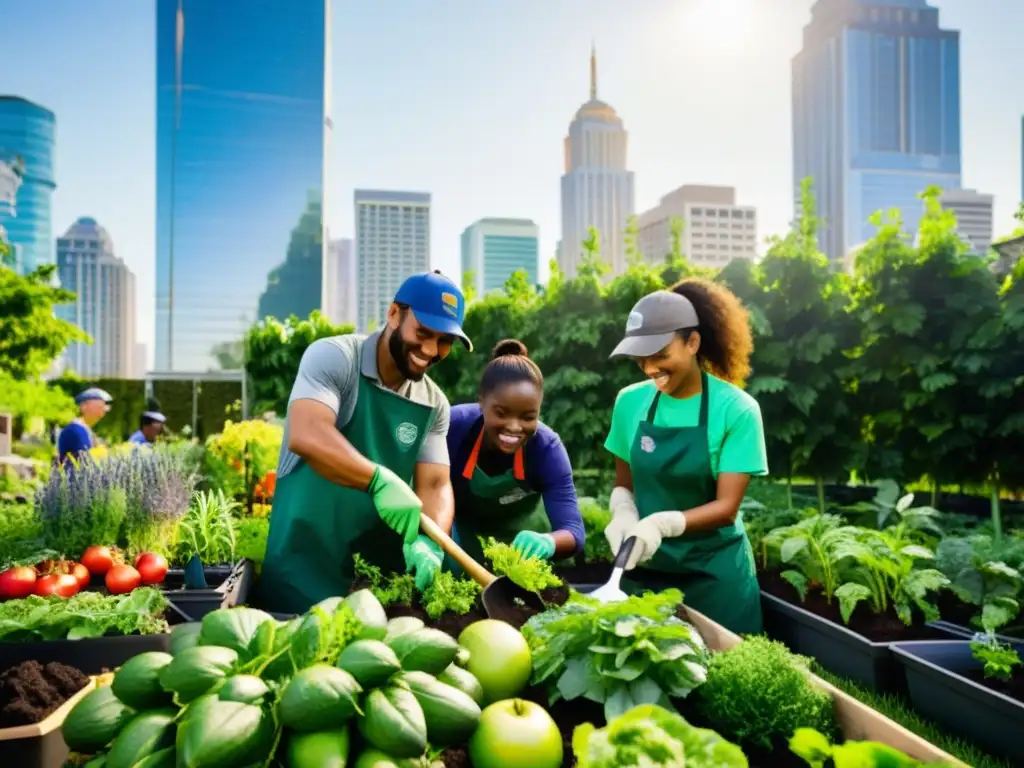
464 680
393 722
318 698
232 628
165 758
196 671
370 613
137 682
229 734
247 689
451 715
425 650
145 734
95 721
321 749
370 662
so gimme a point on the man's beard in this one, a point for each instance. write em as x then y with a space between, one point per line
399 351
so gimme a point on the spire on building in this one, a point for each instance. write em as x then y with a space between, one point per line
593 72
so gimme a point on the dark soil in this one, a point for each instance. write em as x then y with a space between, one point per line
879 628
1014 687
955 610
29 692
590 573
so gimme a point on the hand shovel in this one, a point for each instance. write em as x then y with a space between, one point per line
502 598
612 592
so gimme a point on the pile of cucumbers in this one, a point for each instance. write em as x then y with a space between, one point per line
243 690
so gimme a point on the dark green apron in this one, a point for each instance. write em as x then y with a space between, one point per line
499 506
671 469
316 525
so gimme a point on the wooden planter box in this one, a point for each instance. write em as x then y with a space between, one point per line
858 721
40 745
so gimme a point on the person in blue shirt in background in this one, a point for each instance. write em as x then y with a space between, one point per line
510 472
151 425
77 437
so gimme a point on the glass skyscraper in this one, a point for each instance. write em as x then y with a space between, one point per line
495 249
26 144
876 113
241 139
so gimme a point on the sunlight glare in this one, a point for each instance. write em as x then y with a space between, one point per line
722 25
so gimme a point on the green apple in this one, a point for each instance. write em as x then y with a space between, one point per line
516 733
499 657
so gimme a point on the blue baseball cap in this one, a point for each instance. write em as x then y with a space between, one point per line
436 302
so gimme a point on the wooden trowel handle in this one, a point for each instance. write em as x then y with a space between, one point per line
477 572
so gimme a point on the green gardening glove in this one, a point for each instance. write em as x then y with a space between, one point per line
532 544
424 558
397 503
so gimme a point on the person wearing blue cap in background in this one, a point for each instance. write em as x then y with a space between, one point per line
77 437
151 425
364 450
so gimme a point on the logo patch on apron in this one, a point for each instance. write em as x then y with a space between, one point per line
513 496
647 444
407 433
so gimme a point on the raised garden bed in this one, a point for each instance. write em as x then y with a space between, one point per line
227 586
947 684
34 700
858 651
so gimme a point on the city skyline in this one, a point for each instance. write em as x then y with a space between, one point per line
719 112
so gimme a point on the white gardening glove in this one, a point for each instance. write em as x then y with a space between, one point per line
624 517
650 531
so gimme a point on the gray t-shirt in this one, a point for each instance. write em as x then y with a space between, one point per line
329 373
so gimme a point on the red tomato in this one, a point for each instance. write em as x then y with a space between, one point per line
63 584
81 574
98 560
151 567
121 579
16 583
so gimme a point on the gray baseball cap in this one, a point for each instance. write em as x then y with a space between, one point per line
653 322
93 393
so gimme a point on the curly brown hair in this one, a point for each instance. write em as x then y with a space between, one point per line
725 338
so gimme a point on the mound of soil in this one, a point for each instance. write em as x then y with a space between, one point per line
30 692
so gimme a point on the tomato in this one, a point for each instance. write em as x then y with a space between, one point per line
122 578
62 584
151 567
16 583
81 574
98 560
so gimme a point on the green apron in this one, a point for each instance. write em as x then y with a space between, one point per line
316 525
499 506
671 469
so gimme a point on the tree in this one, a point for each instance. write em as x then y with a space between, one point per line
31 335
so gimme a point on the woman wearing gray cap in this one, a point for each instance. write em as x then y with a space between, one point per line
686 442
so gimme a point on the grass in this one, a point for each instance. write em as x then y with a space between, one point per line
898 710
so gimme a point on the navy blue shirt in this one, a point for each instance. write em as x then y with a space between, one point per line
74 439
548 471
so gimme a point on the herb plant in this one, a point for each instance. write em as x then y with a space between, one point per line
87 614
530 573
814 547
448 594
209 529
395 589
1000 659
760 693
622 654
991 585
818 751
595 520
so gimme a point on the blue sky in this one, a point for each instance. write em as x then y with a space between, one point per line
471 101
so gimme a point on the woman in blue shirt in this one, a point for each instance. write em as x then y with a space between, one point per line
510 472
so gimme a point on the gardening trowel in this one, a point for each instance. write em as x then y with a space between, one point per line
611 592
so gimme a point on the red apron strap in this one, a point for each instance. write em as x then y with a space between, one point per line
519 465
470 468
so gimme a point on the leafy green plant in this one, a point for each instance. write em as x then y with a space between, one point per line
636 651
530 573
87 614
818 751
1001 660
993 586
251 542
814 547
209 529
760 694
21 537
595 519
449 594
649 736
394 589
759 519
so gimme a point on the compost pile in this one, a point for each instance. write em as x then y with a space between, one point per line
29 692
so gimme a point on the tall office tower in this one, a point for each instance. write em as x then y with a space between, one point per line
104 304
597 188
242 127
26 167
973 216
494 249
876 113
715 229
392 242
340 282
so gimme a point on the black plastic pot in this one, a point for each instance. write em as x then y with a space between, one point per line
40 745
939 691
228 586
966 633
838 649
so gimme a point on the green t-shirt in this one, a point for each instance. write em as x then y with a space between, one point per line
735 431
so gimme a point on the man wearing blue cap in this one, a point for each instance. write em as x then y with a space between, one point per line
151 425
365 427
77 437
